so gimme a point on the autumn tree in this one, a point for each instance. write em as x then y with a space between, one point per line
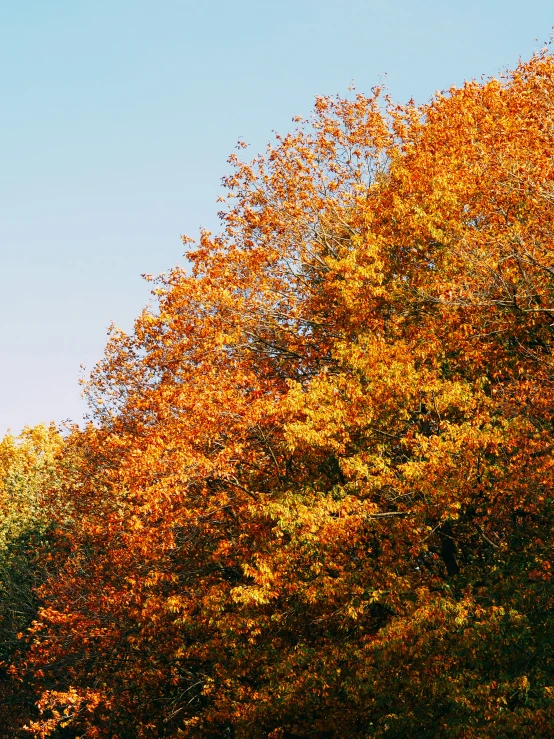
27 474
317 496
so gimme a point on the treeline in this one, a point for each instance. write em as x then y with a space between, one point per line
316 497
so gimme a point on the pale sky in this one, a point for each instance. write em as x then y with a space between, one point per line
117 120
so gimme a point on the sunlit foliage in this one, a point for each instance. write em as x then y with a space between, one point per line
317 498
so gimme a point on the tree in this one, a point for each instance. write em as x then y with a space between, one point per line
317 500
27 476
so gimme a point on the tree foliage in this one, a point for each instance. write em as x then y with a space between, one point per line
27 476
317 498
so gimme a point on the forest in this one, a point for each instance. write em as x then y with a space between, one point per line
315 494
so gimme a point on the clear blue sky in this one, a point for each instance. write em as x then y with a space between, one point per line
117 119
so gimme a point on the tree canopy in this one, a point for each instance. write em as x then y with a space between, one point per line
316 497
